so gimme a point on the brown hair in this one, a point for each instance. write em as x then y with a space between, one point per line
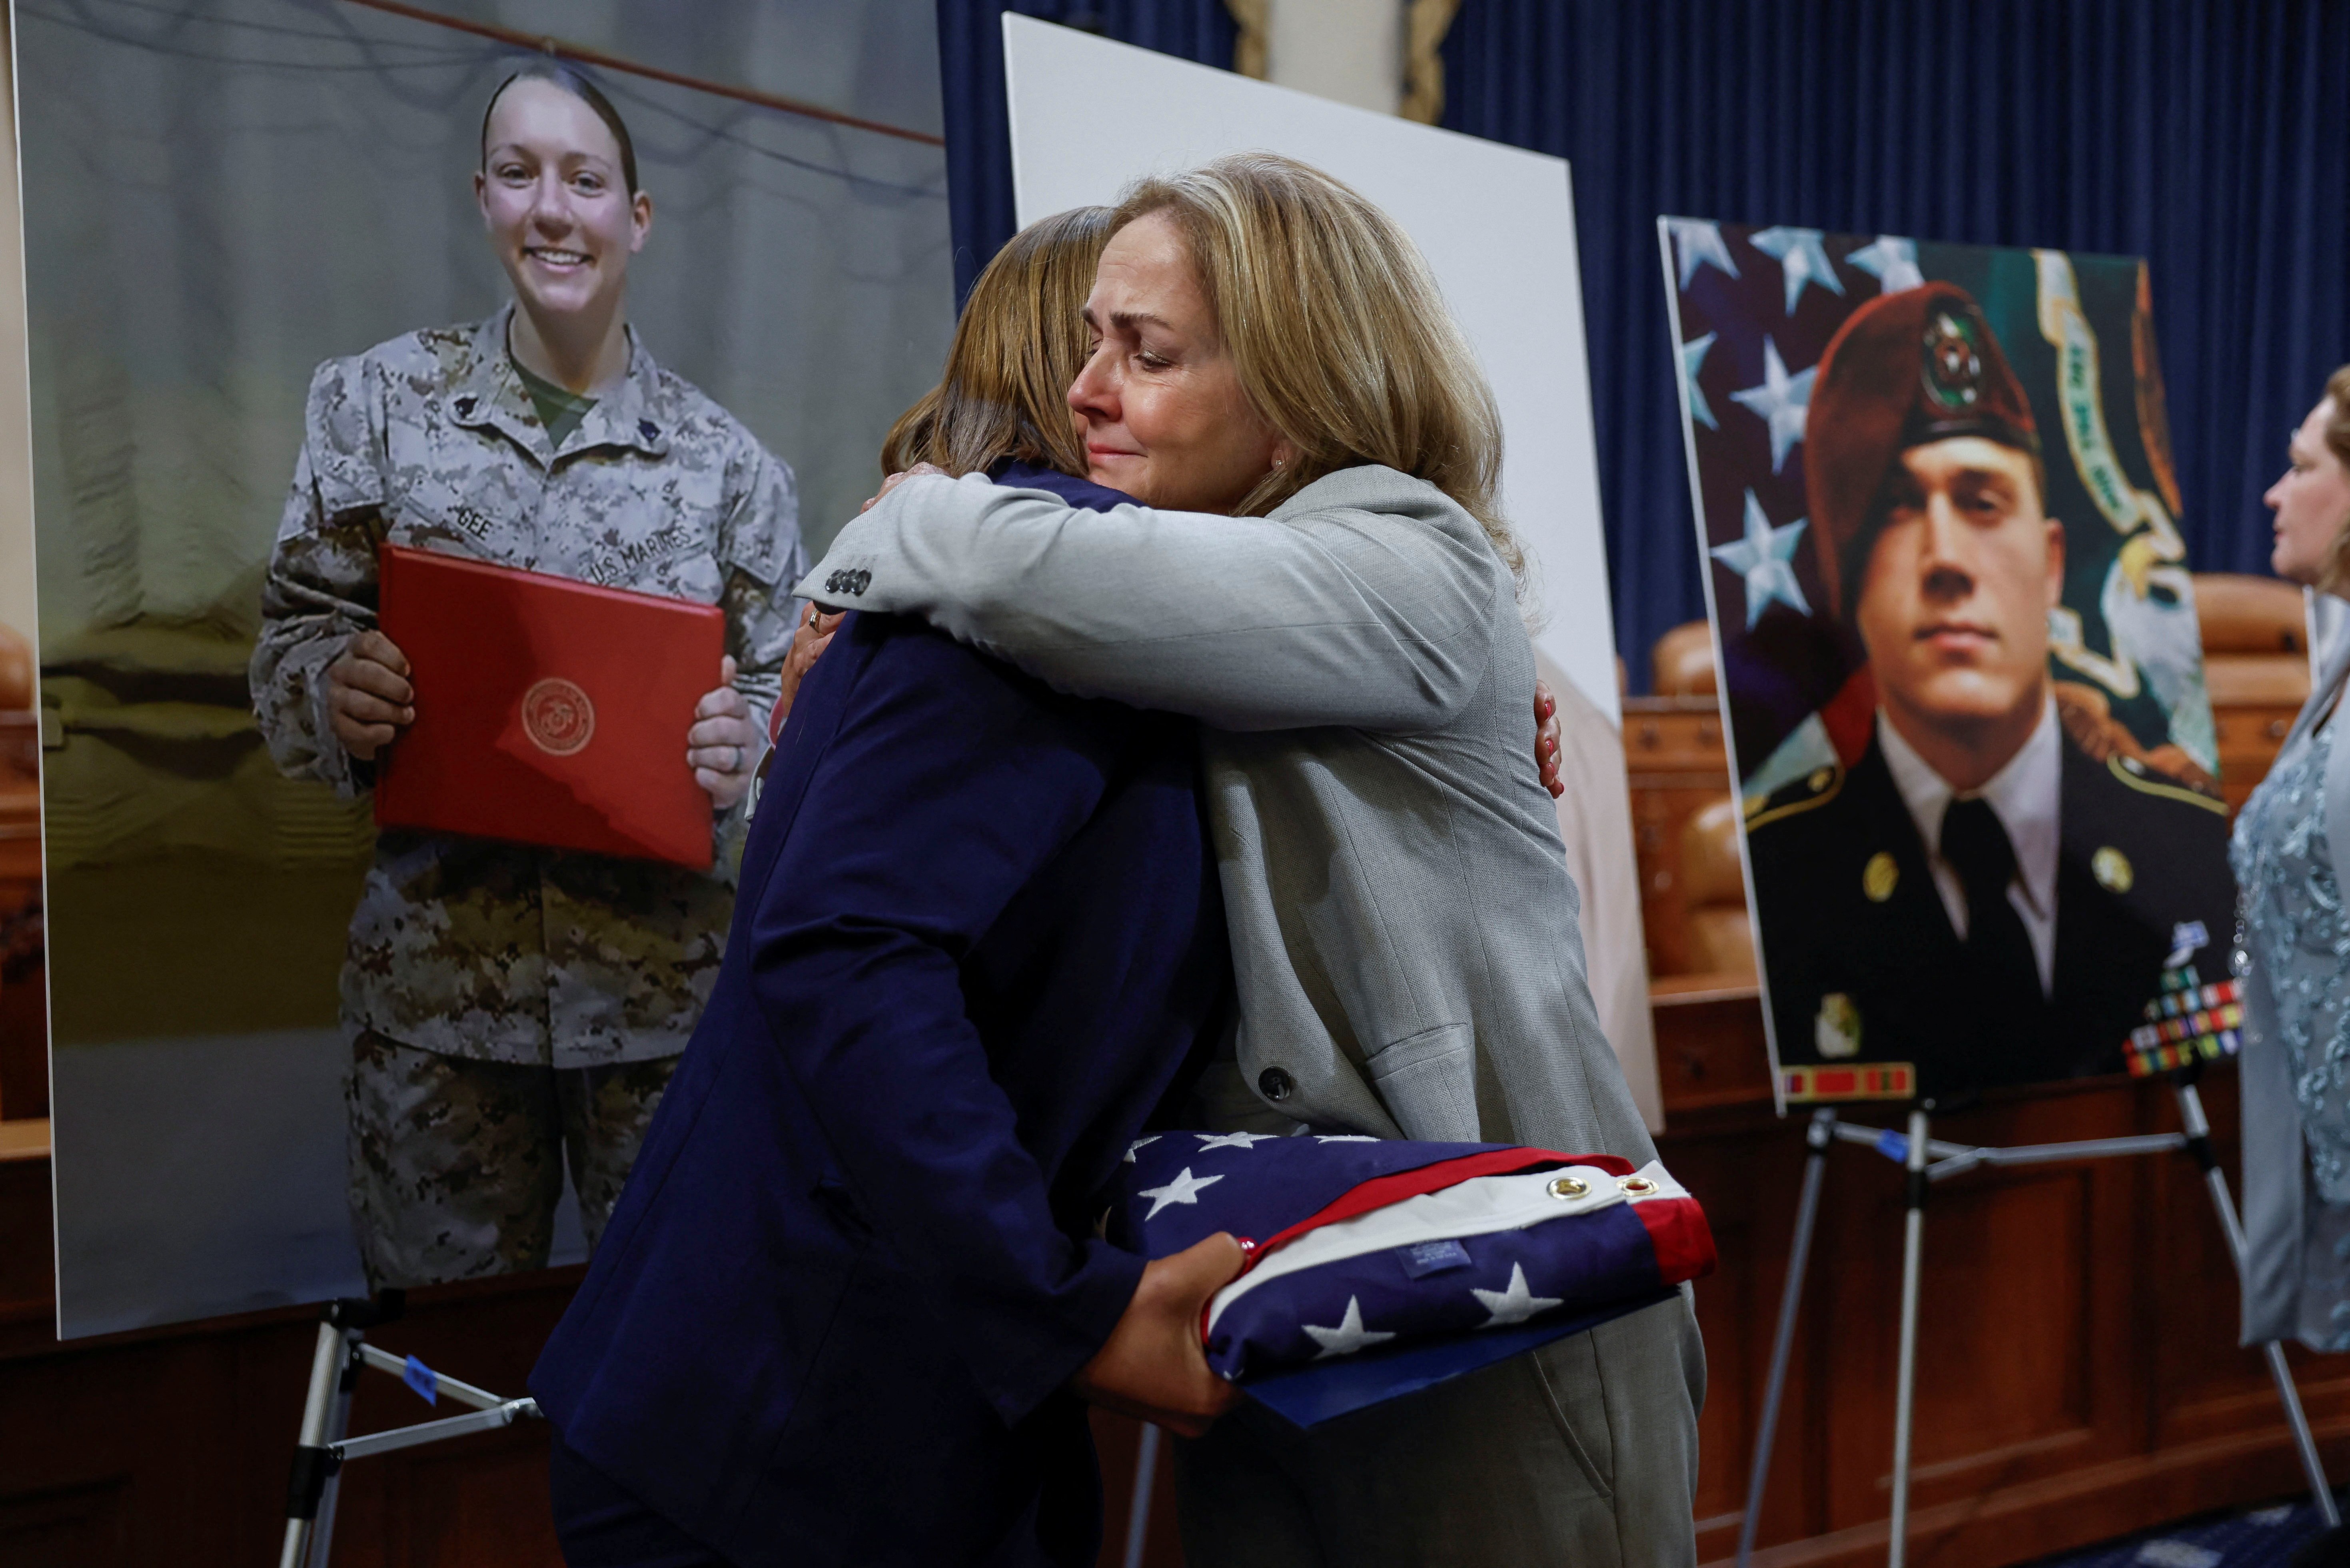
1021 341
1340 336
556 74
2335 577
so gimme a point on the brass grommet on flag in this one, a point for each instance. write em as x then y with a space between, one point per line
1636 1186
1568 1187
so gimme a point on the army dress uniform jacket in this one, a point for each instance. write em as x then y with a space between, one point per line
472 947
1864 965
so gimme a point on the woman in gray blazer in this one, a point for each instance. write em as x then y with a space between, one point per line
2292 857
1319 570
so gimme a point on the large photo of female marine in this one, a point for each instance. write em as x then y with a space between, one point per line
625 308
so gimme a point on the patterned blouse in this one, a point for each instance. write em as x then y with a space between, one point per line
2293 944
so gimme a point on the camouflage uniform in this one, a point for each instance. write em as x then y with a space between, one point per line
455 1167
473 949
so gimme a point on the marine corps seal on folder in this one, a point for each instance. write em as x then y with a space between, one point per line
548 711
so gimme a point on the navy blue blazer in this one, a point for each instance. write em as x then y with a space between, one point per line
979 938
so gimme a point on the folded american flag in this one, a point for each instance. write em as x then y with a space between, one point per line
1380 1266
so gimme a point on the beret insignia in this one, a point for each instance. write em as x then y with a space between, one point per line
1953 362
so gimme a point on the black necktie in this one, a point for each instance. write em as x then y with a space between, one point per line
1998 948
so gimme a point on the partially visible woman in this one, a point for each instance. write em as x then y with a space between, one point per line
2291 858
1319 570
511 1009
1004 396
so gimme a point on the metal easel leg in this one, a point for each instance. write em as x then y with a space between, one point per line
325 1416
1913 1252
1818 1136
339 1427
2199 1146
310 1460
1138 1518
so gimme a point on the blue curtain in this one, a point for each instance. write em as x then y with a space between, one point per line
2206 135
971 72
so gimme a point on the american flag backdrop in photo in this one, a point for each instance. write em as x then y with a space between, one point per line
1755 309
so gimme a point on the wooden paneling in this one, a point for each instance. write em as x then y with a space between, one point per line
1674 752
84 1526
2249 737
171 1446
2078 1374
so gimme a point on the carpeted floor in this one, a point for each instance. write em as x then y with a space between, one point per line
2254 1538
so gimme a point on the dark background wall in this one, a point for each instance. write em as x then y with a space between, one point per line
971 73
2207 135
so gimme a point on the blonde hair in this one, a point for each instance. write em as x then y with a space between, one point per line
1340 337
1022 340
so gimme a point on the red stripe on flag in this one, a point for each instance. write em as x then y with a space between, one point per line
1382 1190
1683 1241
1850 717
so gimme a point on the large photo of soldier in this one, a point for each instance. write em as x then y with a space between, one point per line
1960 661
631 306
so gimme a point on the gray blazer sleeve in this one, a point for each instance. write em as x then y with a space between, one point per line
1362 602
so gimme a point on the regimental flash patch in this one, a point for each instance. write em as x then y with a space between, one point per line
1879 876
2112 869
1836 1030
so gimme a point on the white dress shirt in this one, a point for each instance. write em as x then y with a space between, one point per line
2025 796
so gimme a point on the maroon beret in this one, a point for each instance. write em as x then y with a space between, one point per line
1904 369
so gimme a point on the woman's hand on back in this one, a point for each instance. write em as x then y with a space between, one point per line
899 477
1546 739
809 643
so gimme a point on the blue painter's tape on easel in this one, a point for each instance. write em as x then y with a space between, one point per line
1893 1146
423 1379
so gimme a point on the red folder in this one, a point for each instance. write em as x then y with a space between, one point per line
548 711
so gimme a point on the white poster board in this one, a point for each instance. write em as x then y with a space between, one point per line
1497 225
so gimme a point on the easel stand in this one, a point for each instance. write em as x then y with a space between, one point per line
1926 1161
335 1366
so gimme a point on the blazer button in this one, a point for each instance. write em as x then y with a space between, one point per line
1274 1084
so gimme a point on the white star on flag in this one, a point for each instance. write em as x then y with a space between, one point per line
1138 1143
1184 1189
1699 243
1344 1138
1892 261
1765 558
1782 401
1513 1306
1241 1140
1693 353
1349 1336
1802 260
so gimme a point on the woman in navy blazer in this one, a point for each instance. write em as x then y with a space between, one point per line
852 1291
